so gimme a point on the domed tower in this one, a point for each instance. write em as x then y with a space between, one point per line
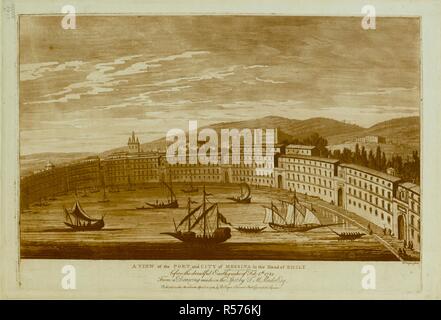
134 145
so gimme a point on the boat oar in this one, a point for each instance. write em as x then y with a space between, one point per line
333 230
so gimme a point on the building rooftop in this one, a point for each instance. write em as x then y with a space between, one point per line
411 186
371 172
297 156
299 146
125 154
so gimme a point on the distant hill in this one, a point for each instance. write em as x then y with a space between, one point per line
402 134
288 129
37 161
400 130
402 137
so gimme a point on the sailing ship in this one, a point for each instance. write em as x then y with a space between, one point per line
292 217
245 194
172 201
201 225
79 220
249 229
190 188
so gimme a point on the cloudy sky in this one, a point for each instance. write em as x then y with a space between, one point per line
87 89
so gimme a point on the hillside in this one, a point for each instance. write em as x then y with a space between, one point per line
37 161
288 129
402 134
397 131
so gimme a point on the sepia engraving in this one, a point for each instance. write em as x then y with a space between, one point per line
333 108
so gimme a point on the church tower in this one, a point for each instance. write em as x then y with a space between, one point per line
134 146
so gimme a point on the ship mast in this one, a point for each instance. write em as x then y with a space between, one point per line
171 187
295 208
189 209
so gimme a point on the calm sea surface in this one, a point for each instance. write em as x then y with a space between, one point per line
136 234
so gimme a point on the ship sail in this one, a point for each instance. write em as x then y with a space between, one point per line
172 194
202 216
245 194
78 212
189 215
268 215
310 218
290 215
78 219
245 191
172 201
272 215
205 229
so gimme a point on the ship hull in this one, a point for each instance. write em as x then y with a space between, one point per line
250 230
246 200
296 228
189 191
219 236
170 205
350 236
98 225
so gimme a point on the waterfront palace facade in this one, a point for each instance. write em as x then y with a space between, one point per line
379 198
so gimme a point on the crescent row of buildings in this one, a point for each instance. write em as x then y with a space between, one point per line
380 198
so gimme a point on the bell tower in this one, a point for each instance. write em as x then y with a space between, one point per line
133 143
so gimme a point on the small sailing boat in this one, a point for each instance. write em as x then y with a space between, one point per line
205 218
249 229
79 220
245 194
348 235
292 217
172 202
190 188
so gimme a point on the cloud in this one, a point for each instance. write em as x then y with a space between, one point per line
257 79
103 78
33 71
379 91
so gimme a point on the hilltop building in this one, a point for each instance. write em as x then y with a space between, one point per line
295 149
371 139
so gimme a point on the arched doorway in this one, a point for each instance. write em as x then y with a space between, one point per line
401 228
279 181
340 197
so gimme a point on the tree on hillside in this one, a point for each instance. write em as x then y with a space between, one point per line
313 140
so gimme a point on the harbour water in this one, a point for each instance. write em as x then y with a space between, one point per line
136 234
